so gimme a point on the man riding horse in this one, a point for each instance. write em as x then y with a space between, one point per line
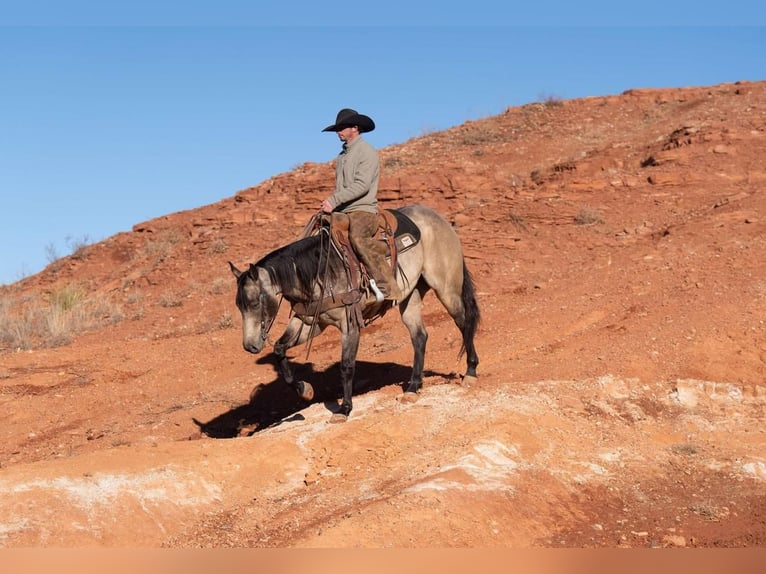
307 275
357 173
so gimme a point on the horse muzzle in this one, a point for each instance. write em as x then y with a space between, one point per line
253 347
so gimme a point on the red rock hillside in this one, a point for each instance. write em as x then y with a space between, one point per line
618 245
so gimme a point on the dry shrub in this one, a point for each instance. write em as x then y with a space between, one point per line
517 221
588 216
55 320
218 246
159 246
481 133
220 286
394 162
171 299
226 321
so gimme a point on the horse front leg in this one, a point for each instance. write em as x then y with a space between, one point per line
350 347
296 333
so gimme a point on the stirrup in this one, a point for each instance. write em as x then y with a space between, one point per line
378 294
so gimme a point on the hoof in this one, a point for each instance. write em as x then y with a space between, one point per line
338 418
246 430
469 381
409 397
307 391
254 393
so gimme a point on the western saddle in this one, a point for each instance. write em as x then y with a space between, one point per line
395 229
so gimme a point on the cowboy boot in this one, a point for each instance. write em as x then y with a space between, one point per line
372 252
378 267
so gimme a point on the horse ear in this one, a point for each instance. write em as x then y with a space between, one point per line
234 270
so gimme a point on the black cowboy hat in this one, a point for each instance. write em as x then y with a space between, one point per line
348 117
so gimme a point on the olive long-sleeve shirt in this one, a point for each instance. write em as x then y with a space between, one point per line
357 172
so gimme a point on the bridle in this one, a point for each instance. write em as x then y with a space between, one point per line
264 327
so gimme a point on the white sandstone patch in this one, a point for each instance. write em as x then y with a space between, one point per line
489 467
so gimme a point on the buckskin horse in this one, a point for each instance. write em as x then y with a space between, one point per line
323 290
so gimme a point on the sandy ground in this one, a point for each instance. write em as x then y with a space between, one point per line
618 247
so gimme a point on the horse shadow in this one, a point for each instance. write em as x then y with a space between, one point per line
273 403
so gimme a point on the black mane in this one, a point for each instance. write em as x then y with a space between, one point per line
298 265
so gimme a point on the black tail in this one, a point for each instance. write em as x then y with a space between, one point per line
472 316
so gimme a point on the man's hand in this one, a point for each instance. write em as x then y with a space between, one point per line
327 206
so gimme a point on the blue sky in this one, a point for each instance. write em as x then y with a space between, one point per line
113 113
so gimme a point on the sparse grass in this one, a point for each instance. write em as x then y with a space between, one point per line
64 314
564 167
428 130
67 298
15 331
158 247
171 299
219 286
551 101
53 322
588 216
517 221
709 511
226 321
684 449
479 134
218 246
51 253
134 298
394 162
78 246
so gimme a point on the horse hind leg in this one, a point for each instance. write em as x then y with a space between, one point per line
445 272
464 310
411 311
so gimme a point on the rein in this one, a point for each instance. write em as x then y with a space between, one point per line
266 328
322 284
349 300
